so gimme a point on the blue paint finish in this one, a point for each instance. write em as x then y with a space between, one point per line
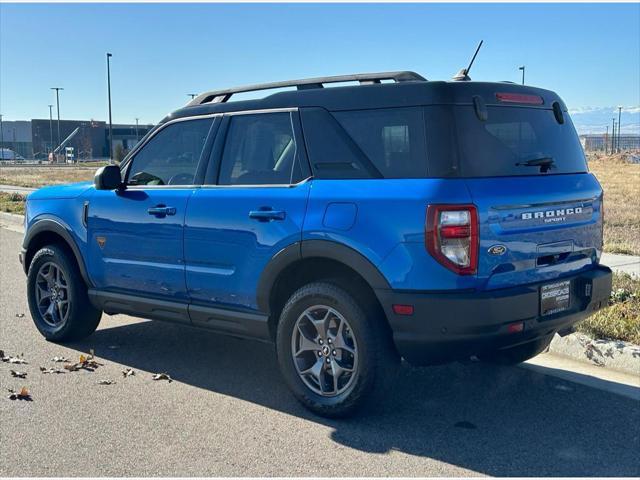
390 212
340 216
226 250
500 204
142 254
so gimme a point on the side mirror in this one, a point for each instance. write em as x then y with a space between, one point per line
108 178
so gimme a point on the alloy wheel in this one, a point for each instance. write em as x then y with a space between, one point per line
324 350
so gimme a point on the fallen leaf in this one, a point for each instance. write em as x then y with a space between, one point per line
162 376
106 382
85 363
51 370
18 374
14 360
59 359
129 372
23 394
20 315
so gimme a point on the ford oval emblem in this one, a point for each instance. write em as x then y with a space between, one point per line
497 250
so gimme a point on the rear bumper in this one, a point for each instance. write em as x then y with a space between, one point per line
451 326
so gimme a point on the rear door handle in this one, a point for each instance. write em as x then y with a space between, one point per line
161 211
266 214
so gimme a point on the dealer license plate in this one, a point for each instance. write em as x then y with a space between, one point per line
555 297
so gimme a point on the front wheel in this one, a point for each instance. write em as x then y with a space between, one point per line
331 353
57 296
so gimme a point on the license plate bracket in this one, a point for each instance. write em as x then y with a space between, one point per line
555 297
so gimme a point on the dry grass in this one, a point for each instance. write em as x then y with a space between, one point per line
12 203
620 181
621 320
39 176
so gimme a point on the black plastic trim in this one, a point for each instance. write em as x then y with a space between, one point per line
451 326
316 249
50 225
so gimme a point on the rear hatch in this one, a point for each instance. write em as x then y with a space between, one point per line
539 210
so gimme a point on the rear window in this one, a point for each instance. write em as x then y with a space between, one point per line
515 141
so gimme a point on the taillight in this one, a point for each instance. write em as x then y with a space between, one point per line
451 237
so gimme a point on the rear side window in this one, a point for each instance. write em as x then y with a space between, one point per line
515 141
171 156
393 139
259 149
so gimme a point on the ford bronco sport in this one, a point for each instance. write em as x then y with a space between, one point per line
352 226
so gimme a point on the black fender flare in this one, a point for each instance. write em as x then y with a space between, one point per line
54 226
316 249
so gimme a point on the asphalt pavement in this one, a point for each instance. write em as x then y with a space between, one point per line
228 412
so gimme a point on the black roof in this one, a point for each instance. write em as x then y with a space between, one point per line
409 89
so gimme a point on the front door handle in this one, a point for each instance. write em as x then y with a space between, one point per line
161 211
266 214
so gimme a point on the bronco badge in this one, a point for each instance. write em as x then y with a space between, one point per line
497 250
101 241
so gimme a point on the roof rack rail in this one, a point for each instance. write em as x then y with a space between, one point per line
221 96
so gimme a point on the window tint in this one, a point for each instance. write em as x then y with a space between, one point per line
171 156
259 149
393 139
511 137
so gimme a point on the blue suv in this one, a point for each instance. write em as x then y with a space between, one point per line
387 217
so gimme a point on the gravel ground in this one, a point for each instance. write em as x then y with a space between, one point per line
227 412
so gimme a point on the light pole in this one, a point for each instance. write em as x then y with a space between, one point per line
192 95
613 134
57 89
137 137
606 141
522 68
1 139
110 123
51 128
619 125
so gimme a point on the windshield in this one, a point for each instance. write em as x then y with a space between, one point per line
512 141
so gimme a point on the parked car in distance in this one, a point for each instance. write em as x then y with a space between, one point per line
351 226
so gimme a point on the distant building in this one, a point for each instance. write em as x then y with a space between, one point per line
597 142
35 139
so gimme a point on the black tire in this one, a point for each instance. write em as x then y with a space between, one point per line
518 354
81 318
376 358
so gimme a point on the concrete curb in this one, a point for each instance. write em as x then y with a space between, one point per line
11 221
611 354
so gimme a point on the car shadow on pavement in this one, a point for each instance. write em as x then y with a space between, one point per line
500 421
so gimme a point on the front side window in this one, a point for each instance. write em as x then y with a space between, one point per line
259 149
171 156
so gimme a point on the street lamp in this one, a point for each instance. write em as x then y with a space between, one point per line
51 128
606 141
522 68
1 139
619 125
192 95
57 89
110 123
137 137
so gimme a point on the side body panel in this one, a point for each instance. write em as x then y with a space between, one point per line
226 250
132 251
384 221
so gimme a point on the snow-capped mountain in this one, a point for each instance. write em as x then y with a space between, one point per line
596 119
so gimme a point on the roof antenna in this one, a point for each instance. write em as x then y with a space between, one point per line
463 75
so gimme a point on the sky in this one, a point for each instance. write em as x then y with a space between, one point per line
588 53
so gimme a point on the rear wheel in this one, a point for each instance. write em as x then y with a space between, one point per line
518 354
331 353
57 297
